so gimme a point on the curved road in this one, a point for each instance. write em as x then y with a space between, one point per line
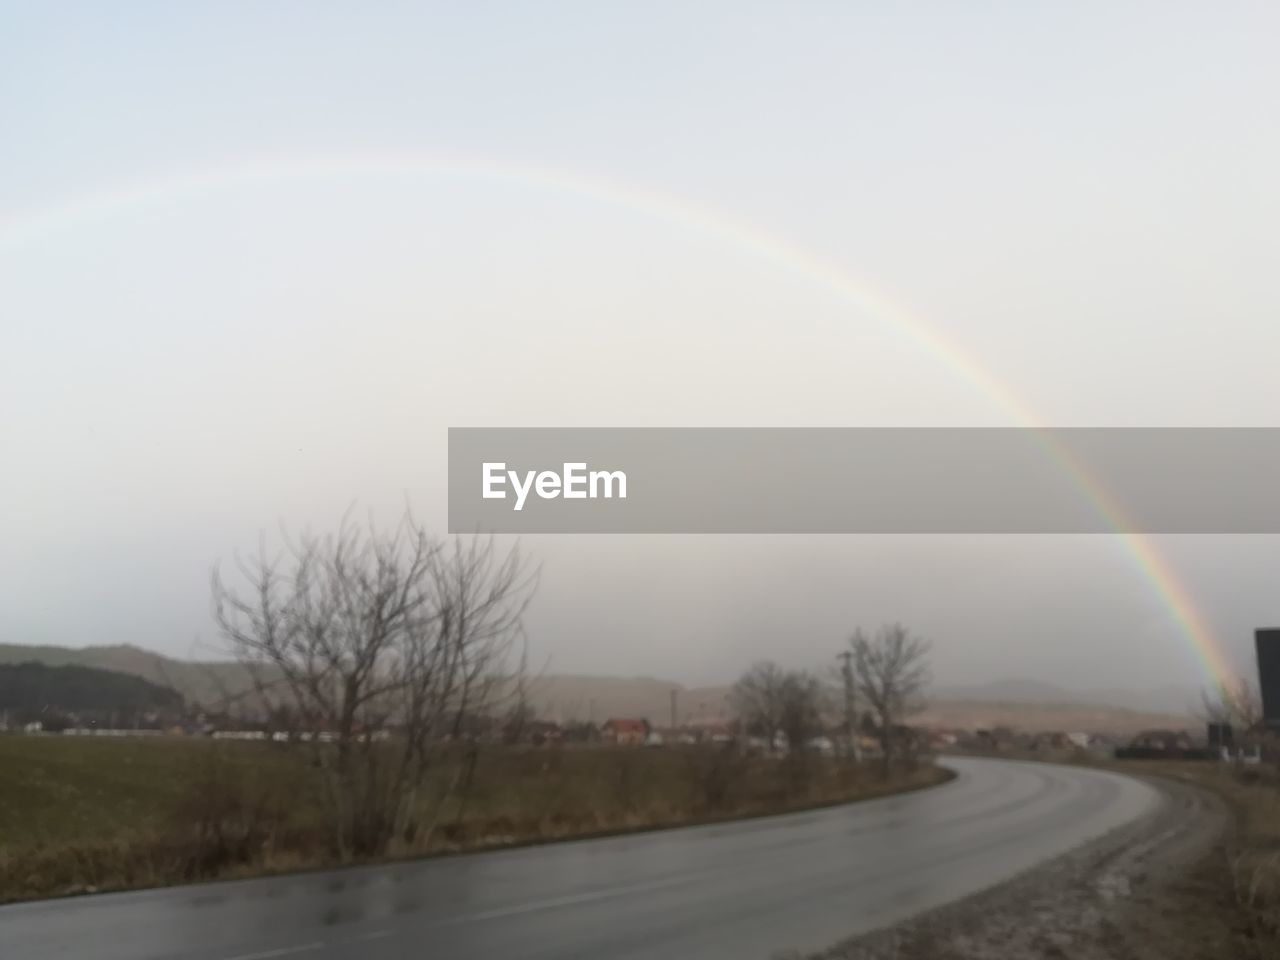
740 890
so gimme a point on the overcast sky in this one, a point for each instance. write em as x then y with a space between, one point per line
256 258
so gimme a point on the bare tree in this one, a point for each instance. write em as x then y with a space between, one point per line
772 701
892 671
1235 703
757 699
801 700
385 642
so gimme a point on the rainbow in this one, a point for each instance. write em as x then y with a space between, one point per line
29 227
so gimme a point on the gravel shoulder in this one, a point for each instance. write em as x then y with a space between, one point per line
1155 889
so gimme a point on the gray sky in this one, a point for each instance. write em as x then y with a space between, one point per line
256 258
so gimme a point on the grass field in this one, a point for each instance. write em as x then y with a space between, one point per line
79 815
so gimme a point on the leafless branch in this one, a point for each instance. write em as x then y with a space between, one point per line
378 646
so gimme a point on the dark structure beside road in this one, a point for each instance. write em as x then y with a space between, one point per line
1267 643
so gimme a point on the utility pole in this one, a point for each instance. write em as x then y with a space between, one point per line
850 713
673 708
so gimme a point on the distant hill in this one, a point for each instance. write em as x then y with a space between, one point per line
1049 717
198 682
574 697
1024 704
1046 709
33 691
1010 691
1168 700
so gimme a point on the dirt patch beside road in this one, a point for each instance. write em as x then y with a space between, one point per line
1156 889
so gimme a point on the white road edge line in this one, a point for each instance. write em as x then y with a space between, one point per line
281 952
374 935
566 901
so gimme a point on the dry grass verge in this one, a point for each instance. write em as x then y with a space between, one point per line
1246 866
1227 904
81 816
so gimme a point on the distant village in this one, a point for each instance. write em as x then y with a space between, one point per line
85 702
636 731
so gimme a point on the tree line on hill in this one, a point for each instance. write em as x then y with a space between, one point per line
64 696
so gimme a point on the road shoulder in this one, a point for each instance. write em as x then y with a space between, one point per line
1154 889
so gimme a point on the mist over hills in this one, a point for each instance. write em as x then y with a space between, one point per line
1021 704
1164 699
1024 704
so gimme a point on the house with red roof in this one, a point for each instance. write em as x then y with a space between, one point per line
625 732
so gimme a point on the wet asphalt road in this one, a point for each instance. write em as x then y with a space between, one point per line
742 890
